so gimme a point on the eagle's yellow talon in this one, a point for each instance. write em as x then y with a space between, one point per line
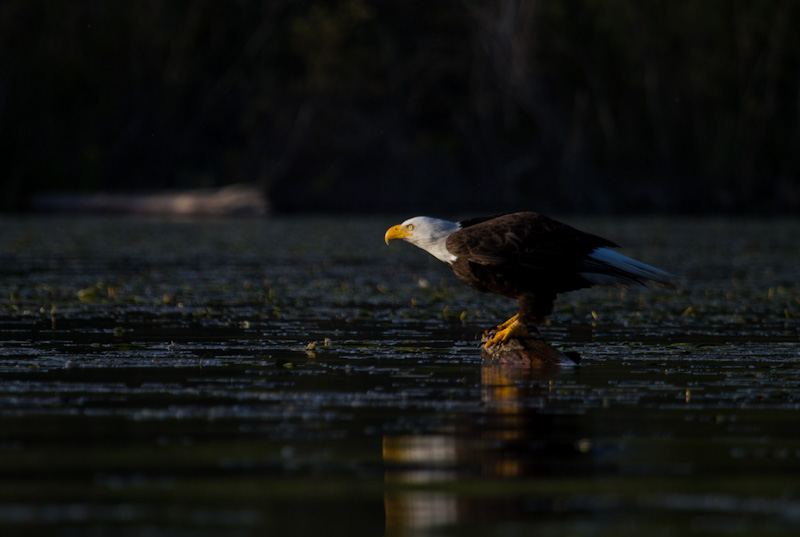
509 329
487 334
507 323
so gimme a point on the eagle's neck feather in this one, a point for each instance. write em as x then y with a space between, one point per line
438 249
432 237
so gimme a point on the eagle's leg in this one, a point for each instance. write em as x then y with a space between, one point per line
532 311
508 330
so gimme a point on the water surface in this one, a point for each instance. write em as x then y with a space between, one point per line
295 376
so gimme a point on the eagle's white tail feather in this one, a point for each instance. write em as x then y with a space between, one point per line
615 268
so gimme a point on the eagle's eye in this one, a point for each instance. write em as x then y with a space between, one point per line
410 227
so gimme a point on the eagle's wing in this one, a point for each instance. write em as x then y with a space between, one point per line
527 240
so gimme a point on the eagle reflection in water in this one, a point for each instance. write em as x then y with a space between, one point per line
510 438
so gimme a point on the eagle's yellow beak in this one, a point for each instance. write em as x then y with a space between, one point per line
396 232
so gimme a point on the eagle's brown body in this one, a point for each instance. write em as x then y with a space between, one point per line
525 256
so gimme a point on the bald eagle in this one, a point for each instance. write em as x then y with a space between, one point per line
526 256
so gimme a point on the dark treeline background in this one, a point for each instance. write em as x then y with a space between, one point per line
357 105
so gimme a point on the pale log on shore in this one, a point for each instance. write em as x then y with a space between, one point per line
229 200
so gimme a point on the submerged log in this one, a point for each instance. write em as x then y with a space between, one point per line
531 351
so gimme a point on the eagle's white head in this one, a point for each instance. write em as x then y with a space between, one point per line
427 233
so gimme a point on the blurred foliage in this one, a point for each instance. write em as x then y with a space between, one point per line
585 105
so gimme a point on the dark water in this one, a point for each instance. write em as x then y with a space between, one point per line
156 379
